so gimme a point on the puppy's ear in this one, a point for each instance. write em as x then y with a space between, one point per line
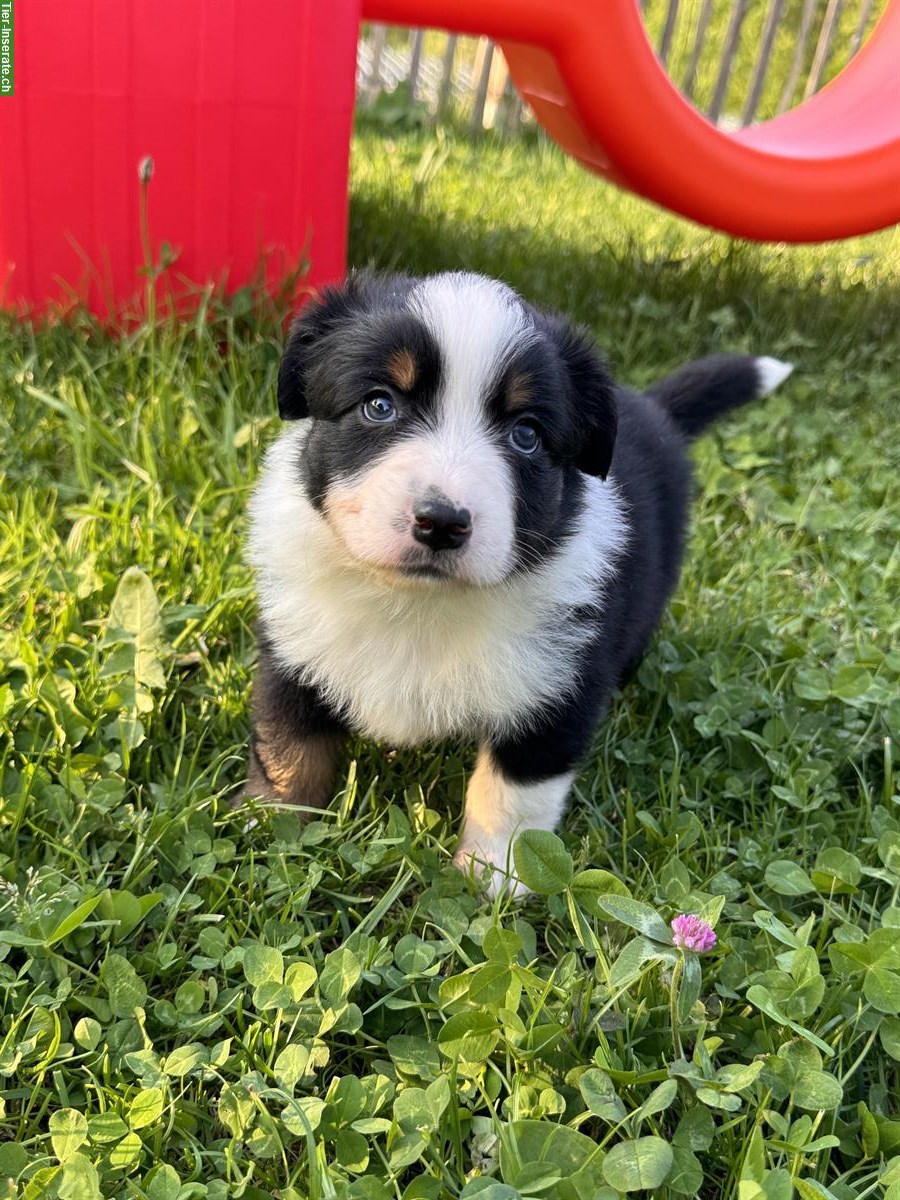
292 401
593 397
304 345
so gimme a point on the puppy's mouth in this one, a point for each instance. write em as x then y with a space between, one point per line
426 570
414 572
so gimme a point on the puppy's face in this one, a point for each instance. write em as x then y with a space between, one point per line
450 425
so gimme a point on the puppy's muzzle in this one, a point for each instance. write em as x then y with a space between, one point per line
439 525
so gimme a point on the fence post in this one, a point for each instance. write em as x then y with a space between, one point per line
729 50
446 77
514 107
799 56
865 11
481 91
697 52
379 39
497 84
758 81
668 32
823 47
415 62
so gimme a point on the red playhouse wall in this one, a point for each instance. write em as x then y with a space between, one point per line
245 109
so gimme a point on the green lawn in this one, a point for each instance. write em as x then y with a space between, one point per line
194 1007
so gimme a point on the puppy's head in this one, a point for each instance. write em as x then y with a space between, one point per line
450 425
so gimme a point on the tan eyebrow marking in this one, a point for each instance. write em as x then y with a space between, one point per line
518 392
401 367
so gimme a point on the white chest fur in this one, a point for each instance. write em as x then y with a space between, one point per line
418 663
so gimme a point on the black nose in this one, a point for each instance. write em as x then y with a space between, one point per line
440 526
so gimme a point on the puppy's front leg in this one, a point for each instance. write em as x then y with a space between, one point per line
499 806
295 740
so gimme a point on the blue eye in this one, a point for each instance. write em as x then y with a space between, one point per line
379 408
525 437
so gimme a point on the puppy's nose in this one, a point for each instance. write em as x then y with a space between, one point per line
439 525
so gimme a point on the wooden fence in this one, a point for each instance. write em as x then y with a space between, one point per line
738 61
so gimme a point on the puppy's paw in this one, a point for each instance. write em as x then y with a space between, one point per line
272 788
490 861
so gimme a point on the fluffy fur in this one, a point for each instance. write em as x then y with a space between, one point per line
414 661
468 530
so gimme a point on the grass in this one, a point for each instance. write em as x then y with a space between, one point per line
197 1008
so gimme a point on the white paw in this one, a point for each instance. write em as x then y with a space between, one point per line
491 861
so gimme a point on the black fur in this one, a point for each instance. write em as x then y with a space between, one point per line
652 472
295 738
590 395
340 349
313 358
698 393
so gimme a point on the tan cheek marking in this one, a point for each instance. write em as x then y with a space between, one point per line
344 505
518 393
366 517
341 511
401 367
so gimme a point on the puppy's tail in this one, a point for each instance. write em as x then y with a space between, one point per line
698 393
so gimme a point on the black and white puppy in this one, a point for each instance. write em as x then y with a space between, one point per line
468 530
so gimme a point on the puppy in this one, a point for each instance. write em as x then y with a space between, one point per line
468 530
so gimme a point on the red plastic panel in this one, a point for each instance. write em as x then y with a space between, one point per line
245 109
829 169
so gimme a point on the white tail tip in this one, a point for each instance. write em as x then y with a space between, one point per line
771 373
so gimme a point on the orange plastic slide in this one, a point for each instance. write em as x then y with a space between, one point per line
826 170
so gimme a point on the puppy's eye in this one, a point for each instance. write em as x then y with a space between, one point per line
525 437
379 408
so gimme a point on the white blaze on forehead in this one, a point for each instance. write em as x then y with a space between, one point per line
477 323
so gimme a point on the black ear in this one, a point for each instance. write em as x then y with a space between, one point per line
305 343
292 402
593 397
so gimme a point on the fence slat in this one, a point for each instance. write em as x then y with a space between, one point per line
415 61
668 33
690 77
758 81
799 57
443 100
514 109
379 41
497 83
732 39
865 12
482 89
823 47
